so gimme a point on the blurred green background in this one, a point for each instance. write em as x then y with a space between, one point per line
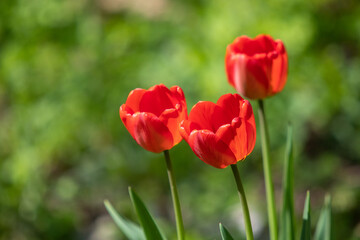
67 65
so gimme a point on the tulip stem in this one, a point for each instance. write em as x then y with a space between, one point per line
175 197
270 199
246 214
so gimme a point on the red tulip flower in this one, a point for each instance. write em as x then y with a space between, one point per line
223 133
256 68
153 116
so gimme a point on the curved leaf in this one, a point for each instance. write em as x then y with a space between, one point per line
306 225
131 230
151 230
287 227
323 227
225 235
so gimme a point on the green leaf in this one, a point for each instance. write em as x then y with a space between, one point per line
323 227
287 227
225 235
306 225
130 229
151 230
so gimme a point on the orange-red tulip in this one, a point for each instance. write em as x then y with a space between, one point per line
153 116
223 133
256 68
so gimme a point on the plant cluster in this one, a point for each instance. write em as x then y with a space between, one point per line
221 134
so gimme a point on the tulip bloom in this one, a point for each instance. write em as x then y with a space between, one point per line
153 116
223 133
256 68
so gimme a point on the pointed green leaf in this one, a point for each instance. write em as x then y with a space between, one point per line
287 227
130 229
225 235
151 230
323 227
306 225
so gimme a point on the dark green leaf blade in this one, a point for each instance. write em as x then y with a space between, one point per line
151 230
323 227
306 225
225 235
130 229
287 227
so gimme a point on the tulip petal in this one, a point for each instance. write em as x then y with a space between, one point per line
248 128
230 104
245 138
170 118
148 131
248 76
279 69
184 129
133 100
210 149
178 96
227 133
235 138
156 100
247 46
240 134
202 115
265 42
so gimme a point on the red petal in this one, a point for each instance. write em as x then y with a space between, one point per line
247 46
133 100
156 100
279 69
266 43
245 140
209 148
201 115
184 129
148 131
240 133
230 104
246 111
227 133
207 116
178 96
249 77
229 65
248 128
171 118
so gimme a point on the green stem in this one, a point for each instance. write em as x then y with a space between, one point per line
270 199
175 197
248 228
